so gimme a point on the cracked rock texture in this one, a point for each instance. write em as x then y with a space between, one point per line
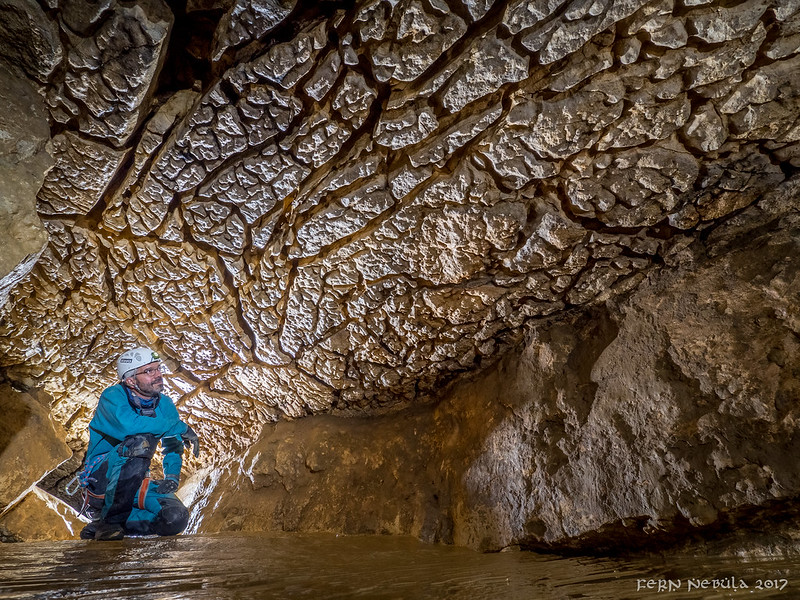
633 422
344 208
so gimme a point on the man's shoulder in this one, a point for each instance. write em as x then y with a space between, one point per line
113 392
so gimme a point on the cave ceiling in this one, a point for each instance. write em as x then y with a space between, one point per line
343 207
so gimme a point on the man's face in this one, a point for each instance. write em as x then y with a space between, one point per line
148 380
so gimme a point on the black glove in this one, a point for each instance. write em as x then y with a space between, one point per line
141 445
165 486
189 438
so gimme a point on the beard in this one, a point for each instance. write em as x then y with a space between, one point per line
153 388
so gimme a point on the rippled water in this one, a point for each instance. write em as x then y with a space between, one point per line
327 566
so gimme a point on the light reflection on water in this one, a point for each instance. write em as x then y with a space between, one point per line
326 566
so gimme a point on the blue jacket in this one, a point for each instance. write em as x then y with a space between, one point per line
115 419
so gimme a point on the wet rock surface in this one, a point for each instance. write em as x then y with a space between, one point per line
650 421
38 517
31 445
344 209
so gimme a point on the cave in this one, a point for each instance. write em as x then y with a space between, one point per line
493 274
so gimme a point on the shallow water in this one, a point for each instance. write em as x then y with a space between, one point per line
326 566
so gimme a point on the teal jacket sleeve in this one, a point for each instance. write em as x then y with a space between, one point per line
171 442
172 448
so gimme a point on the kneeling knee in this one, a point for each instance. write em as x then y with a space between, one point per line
172 519
140 445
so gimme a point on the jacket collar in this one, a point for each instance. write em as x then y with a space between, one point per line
143 406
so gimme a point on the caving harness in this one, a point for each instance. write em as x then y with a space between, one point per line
81 482
84 477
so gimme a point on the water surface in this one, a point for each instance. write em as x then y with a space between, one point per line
327 566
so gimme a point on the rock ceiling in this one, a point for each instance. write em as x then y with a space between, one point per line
350 206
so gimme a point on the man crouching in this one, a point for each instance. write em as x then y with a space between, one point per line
130 420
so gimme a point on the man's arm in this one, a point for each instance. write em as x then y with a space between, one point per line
172 447
173 456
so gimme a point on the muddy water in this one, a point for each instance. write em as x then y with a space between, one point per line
326 566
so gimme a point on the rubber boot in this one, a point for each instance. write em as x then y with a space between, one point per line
102 531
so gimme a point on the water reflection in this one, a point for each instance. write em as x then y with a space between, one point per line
327 566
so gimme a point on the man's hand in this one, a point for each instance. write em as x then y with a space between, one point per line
190 438
165 486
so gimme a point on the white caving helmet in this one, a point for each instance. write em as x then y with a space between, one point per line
133 359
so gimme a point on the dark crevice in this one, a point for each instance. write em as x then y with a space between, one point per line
713 226
188 56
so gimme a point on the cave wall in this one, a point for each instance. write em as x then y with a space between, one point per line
647 420
24 159
31 446
345 208
341 208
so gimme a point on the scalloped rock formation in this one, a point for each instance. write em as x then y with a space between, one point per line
344 209
638 422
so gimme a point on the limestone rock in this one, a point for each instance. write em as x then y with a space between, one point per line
705 130
607 430
29 40
715 25
109 76
82 172
635 189
351 207
39 517
32 445
24 159
491 64
418 39
248 20
407 127
79 16
134 204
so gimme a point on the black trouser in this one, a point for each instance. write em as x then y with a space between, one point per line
121 491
